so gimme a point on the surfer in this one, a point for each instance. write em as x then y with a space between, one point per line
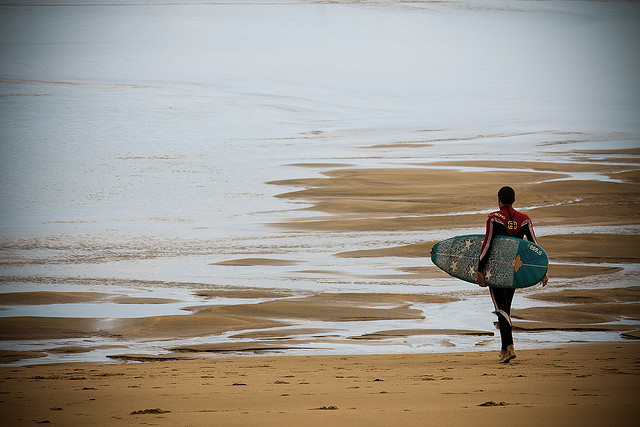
507 222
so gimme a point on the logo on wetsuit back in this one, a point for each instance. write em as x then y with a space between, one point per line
512 225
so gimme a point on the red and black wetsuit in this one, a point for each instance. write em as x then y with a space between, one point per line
505 222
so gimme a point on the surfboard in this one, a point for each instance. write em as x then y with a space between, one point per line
513 263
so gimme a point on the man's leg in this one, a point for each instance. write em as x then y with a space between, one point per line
502 298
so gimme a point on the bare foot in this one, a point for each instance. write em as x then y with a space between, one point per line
509 355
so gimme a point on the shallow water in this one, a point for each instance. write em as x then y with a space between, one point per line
137 140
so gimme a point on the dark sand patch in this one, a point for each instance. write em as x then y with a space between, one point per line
630 176
401 144
590 310
333 311
248 294
123 299
149 411
245 262
407 273
10 356
348 178
150 357
283 333
536 166
323 273
403 191
631 160
395 333
383 298
580 313
592 203
610 248
48 297
567 327
200 324
79 349
618 151
40 328
571 271
69 350
228 347
568 271
421 199
633 335
321 165
212 320
415 250
582 296
178 326
425 272
334 307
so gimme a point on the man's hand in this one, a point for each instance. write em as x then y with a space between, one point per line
545 280
481 279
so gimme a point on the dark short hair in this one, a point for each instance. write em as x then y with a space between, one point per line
507 195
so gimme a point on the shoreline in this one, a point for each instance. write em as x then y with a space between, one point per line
585 384
322 322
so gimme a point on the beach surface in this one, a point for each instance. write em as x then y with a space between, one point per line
593 296
224 214
585 384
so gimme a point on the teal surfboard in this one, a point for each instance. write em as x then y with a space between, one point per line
513 263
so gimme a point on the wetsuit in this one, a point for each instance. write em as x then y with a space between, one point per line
505 222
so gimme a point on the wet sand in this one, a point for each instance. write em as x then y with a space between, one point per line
573 385
583 309
407 199
431 198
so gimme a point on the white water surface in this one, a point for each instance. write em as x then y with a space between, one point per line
137 140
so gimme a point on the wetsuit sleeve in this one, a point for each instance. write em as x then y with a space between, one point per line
486 246
527 228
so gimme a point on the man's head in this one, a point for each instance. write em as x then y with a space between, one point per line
507 196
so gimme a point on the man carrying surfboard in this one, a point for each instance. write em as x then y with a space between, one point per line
505 222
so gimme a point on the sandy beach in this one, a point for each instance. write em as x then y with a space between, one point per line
578 384
224 216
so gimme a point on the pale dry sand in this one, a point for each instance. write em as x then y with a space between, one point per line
575 385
